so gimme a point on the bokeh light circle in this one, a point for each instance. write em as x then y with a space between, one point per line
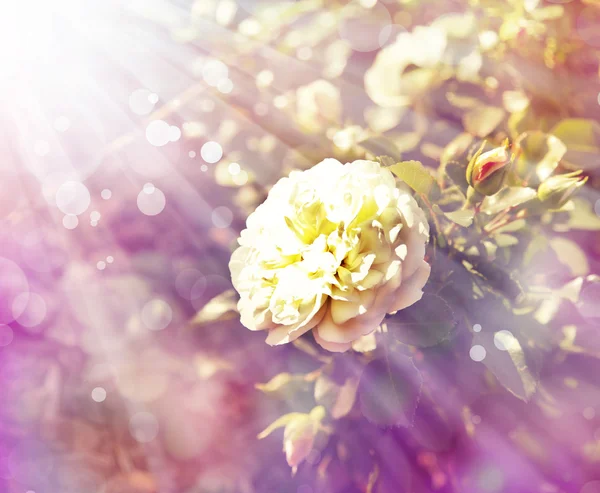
190 284
142 101
211 152
214 72
158 133
29 309
210 286
504 340
13 284
174 133
225 86
72 197
390 33
156 314
365 28
234 168
70 221
477 353
151 201
222 217
98 394
588 305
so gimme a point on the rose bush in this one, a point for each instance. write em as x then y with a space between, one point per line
333 249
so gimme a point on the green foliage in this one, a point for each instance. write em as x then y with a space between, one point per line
337 398
507 198
509 364
483 120
389 391
538 156
582 138
426 323
416 176
221 308
381 146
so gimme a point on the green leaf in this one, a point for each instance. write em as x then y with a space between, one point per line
570 254
299 434
389 390
538 244
496 277
285 384
509 365
548 13
505 198
456 148
514 101
415 175
426 323
461 217
539 156
383 119
386 161
337 399
454 160
407 141
504 240
222 307
483 120
581 216
456 173
582 138
381 146
416 81
280 423
512 226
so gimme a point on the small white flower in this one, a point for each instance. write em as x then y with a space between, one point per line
407 68
333 249
318 106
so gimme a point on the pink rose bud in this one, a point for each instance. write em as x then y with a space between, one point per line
487 172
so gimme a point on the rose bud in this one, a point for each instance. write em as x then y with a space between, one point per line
557 190
487 172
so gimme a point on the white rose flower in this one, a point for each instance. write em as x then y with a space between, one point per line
318 106
451 42
388 83
333 249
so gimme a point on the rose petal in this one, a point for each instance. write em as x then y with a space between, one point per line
288 333
411 289
335 347
342 311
